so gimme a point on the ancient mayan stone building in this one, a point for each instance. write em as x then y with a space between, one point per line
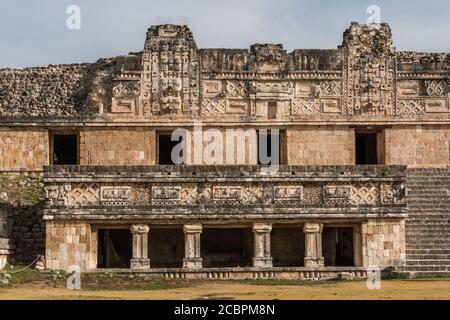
363 177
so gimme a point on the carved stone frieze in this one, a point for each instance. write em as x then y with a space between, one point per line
223 194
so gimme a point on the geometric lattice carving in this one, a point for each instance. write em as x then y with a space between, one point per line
254 194
236 89
305 106
435 87
84 194
410 108
126 89
189 194
330 88
213 107
364 194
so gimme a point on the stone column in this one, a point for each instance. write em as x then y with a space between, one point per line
313 244
140 258
357 246
262 257
192 257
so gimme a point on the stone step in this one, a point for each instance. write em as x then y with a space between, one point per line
430 251
431 212
423 229
427 256
430 237
441 225
425 244
420 201
431 215
411 222
426 200
427 262
425 268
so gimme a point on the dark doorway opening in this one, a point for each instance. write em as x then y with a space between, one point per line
227 247
166 248
287 247
165 146
65 149
366 148
114 248
337 246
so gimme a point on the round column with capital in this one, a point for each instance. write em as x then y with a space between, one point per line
140 258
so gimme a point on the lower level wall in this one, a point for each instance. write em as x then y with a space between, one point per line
383 243
6 251
378 243
69 244
21 204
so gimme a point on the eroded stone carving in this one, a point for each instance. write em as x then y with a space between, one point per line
435 87
336 194
170 75
410 108
369 70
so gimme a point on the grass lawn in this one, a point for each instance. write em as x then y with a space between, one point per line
31 284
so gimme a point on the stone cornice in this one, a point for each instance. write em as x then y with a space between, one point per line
176 123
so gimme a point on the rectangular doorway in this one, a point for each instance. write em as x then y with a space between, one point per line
287 246
166 247
114 248
165 146
369 147
337 246
64 149
230 247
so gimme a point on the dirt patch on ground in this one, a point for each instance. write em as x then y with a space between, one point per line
38 285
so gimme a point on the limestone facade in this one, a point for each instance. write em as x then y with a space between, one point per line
323 102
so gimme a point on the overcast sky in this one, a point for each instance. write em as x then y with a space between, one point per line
34 32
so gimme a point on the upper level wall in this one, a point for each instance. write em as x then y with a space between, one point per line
325 145
23 149
418 145
27 148
118 146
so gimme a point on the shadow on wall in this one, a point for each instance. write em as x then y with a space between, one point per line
24 228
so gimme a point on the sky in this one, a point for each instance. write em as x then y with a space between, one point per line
35 33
